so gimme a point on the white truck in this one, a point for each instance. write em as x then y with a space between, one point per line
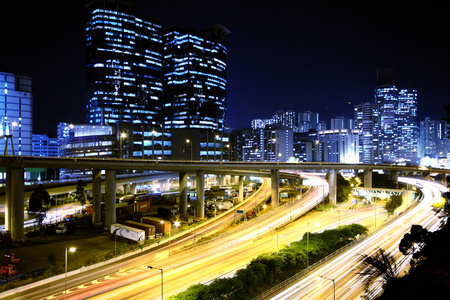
137 235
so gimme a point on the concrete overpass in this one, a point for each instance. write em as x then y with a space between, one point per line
15 167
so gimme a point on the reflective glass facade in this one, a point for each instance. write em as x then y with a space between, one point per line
16 114
407 127
124 65
195 82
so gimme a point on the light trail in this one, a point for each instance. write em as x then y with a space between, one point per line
343 268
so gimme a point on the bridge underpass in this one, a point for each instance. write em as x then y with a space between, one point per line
14 190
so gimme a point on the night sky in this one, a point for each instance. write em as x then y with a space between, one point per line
297 55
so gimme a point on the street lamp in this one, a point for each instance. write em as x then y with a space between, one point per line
162 280
123 135
277 228
188 141
334 285
71 249
176 223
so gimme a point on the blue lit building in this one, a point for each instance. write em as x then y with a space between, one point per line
268 144
386 96
407 127
434 145
195 70
124 66
195 84
367 121
399 131
44 146
16 114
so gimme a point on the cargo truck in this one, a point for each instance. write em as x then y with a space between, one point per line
128 232
149 229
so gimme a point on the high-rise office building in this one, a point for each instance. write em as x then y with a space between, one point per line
195 83
16 114
386 96
45 146
407 127
367 121
286 119
123 65
308 120
342 123
340 145
267 144
398 120
434 145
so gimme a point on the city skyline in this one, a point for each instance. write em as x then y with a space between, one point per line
313 57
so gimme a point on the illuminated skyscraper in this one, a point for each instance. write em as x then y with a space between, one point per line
195 70
386 96
367 121
407 127
124 65
16 114
398 120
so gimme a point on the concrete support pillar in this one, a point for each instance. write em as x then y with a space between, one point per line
444 179
126 188
275 188
394 177
200 207
183 192
368 178
17 204
96 196
133 188
110 197
241 188
8 200
332 182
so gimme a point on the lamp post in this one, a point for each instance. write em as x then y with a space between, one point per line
115 241
71 249
123 135
190 142
334 285
277 234
162 280
177 223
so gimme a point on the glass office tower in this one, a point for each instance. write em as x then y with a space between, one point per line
16 114
124 65
407 127
195 70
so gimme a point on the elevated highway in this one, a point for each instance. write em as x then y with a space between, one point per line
15 167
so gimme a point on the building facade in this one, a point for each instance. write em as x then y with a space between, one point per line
367 121
16 114
269 144
195 83
123 66
340 145
44 146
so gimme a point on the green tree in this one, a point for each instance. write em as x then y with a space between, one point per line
78 195
39 204
393 203
38 199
